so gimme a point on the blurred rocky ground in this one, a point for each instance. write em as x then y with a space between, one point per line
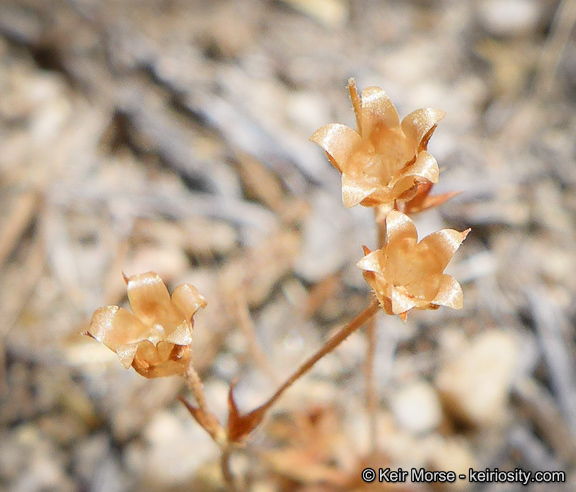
171 135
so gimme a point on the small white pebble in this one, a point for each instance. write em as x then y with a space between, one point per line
417 407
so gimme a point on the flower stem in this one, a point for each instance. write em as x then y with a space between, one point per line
371 387
193 380
328 347
210 422
372 338
227 470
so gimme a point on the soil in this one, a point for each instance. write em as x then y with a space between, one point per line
172 136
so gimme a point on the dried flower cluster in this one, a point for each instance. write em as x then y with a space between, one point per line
156 339
384 165
406 274
385 160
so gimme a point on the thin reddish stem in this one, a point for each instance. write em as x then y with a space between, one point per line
372 338
210 421
226 470
328 347
371 387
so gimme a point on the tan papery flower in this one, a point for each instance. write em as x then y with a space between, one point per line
155 340
406 274
385 159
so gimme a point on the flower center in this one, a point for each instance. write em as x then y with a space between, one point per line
380 157
157 333
410 265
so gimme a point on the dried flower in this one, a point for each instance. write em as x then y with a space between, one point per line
385 160
406 274
155 340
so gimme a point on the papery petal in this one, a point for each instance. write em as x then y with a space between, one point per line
424 168
372 262
164 350
149 297
148 352
119 330
441 246
407 191
356 103
377 111
418 123
425 288
381 289
182 335
422 193
126 354
355 190
339 142
398 227
401 300
165 359
449 294
381 195
188 300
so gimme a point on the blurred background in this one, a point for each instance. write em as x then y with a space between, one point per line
172 135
